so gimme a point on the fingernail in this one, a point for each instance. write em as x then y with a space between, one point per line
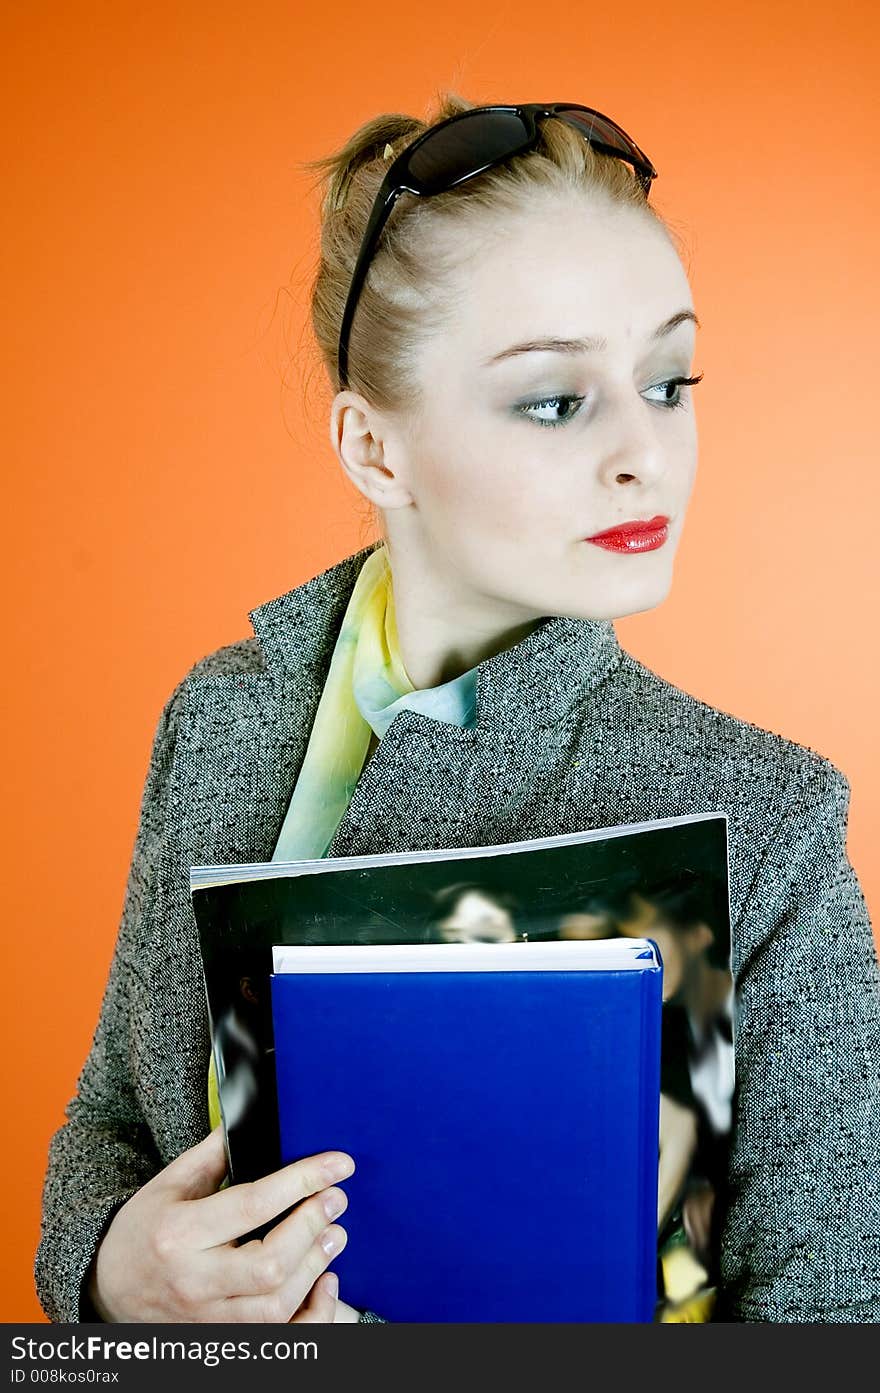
334 1203
333 1240
338 1167
331 1284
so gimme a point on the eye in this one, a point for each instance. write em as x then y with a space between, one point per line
550 404
675 384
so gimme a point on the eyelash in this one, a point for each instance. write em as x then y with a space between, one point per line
526 408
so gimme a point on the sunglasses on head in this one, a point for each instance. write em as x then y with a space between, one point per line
465 145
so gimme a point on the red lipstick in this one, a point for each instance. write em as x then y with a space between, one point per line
634 536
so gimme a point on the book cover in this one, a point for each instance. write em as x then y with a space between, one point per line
502 1104
665 880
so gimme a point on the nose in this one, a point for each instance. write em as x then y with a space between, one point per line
636 452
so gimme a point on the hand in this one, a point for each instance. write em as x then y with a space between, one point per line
170 1253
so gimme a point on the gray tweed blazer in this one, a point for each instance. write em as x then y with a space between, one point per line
572 732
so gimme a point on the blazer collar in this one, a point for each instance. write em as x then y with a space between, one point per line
537 680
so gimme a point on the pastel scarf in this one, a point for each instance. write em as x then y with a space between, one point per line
367 684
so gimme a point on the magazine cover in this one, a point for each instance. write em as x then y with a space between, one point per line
665 880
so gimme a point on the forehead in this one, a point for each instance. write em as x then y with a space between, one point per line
574 268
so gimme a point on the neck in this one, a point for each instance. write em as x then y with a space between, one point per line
442 630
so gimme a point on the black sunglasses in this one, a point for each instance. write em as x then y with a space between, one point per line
465 145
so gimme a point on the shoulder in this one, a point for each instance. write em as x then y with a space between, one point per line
726 743
245 655
292 633
232 659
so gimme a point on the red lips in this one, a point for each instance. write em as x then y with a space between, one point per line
633 536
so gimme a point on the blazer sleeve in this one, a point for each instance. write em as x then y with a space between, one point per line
801 1234
105 1151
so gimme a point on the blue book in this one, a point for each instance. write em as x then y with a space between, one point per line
501 1103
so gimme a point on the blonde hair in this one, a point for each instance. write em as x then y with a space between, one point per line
407 292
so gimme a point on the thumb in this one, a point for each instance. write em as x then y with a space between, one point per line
198 1171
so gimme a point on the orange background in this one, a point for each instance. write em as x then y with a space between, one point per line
165 417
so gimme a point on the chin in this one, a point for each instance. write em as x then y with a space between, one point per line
617 601
640 604
635 609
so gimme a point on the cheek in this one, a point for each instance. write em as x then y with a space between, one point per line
689 452
496 497
482 488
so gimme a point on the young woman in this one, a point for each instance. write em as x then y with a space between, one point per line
509 330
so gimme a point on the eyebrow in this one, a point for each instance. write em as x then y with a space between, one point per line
587 345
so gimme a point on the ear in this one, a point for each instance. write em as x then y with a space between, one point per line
365 442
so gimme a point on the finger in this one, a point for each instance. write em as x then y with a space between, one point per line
321 1303
196 1172
291 1240
237 1210
346 1315
263 1266
283 1304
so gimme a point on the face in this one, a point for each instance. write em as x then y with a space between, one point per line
477 919
516 456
